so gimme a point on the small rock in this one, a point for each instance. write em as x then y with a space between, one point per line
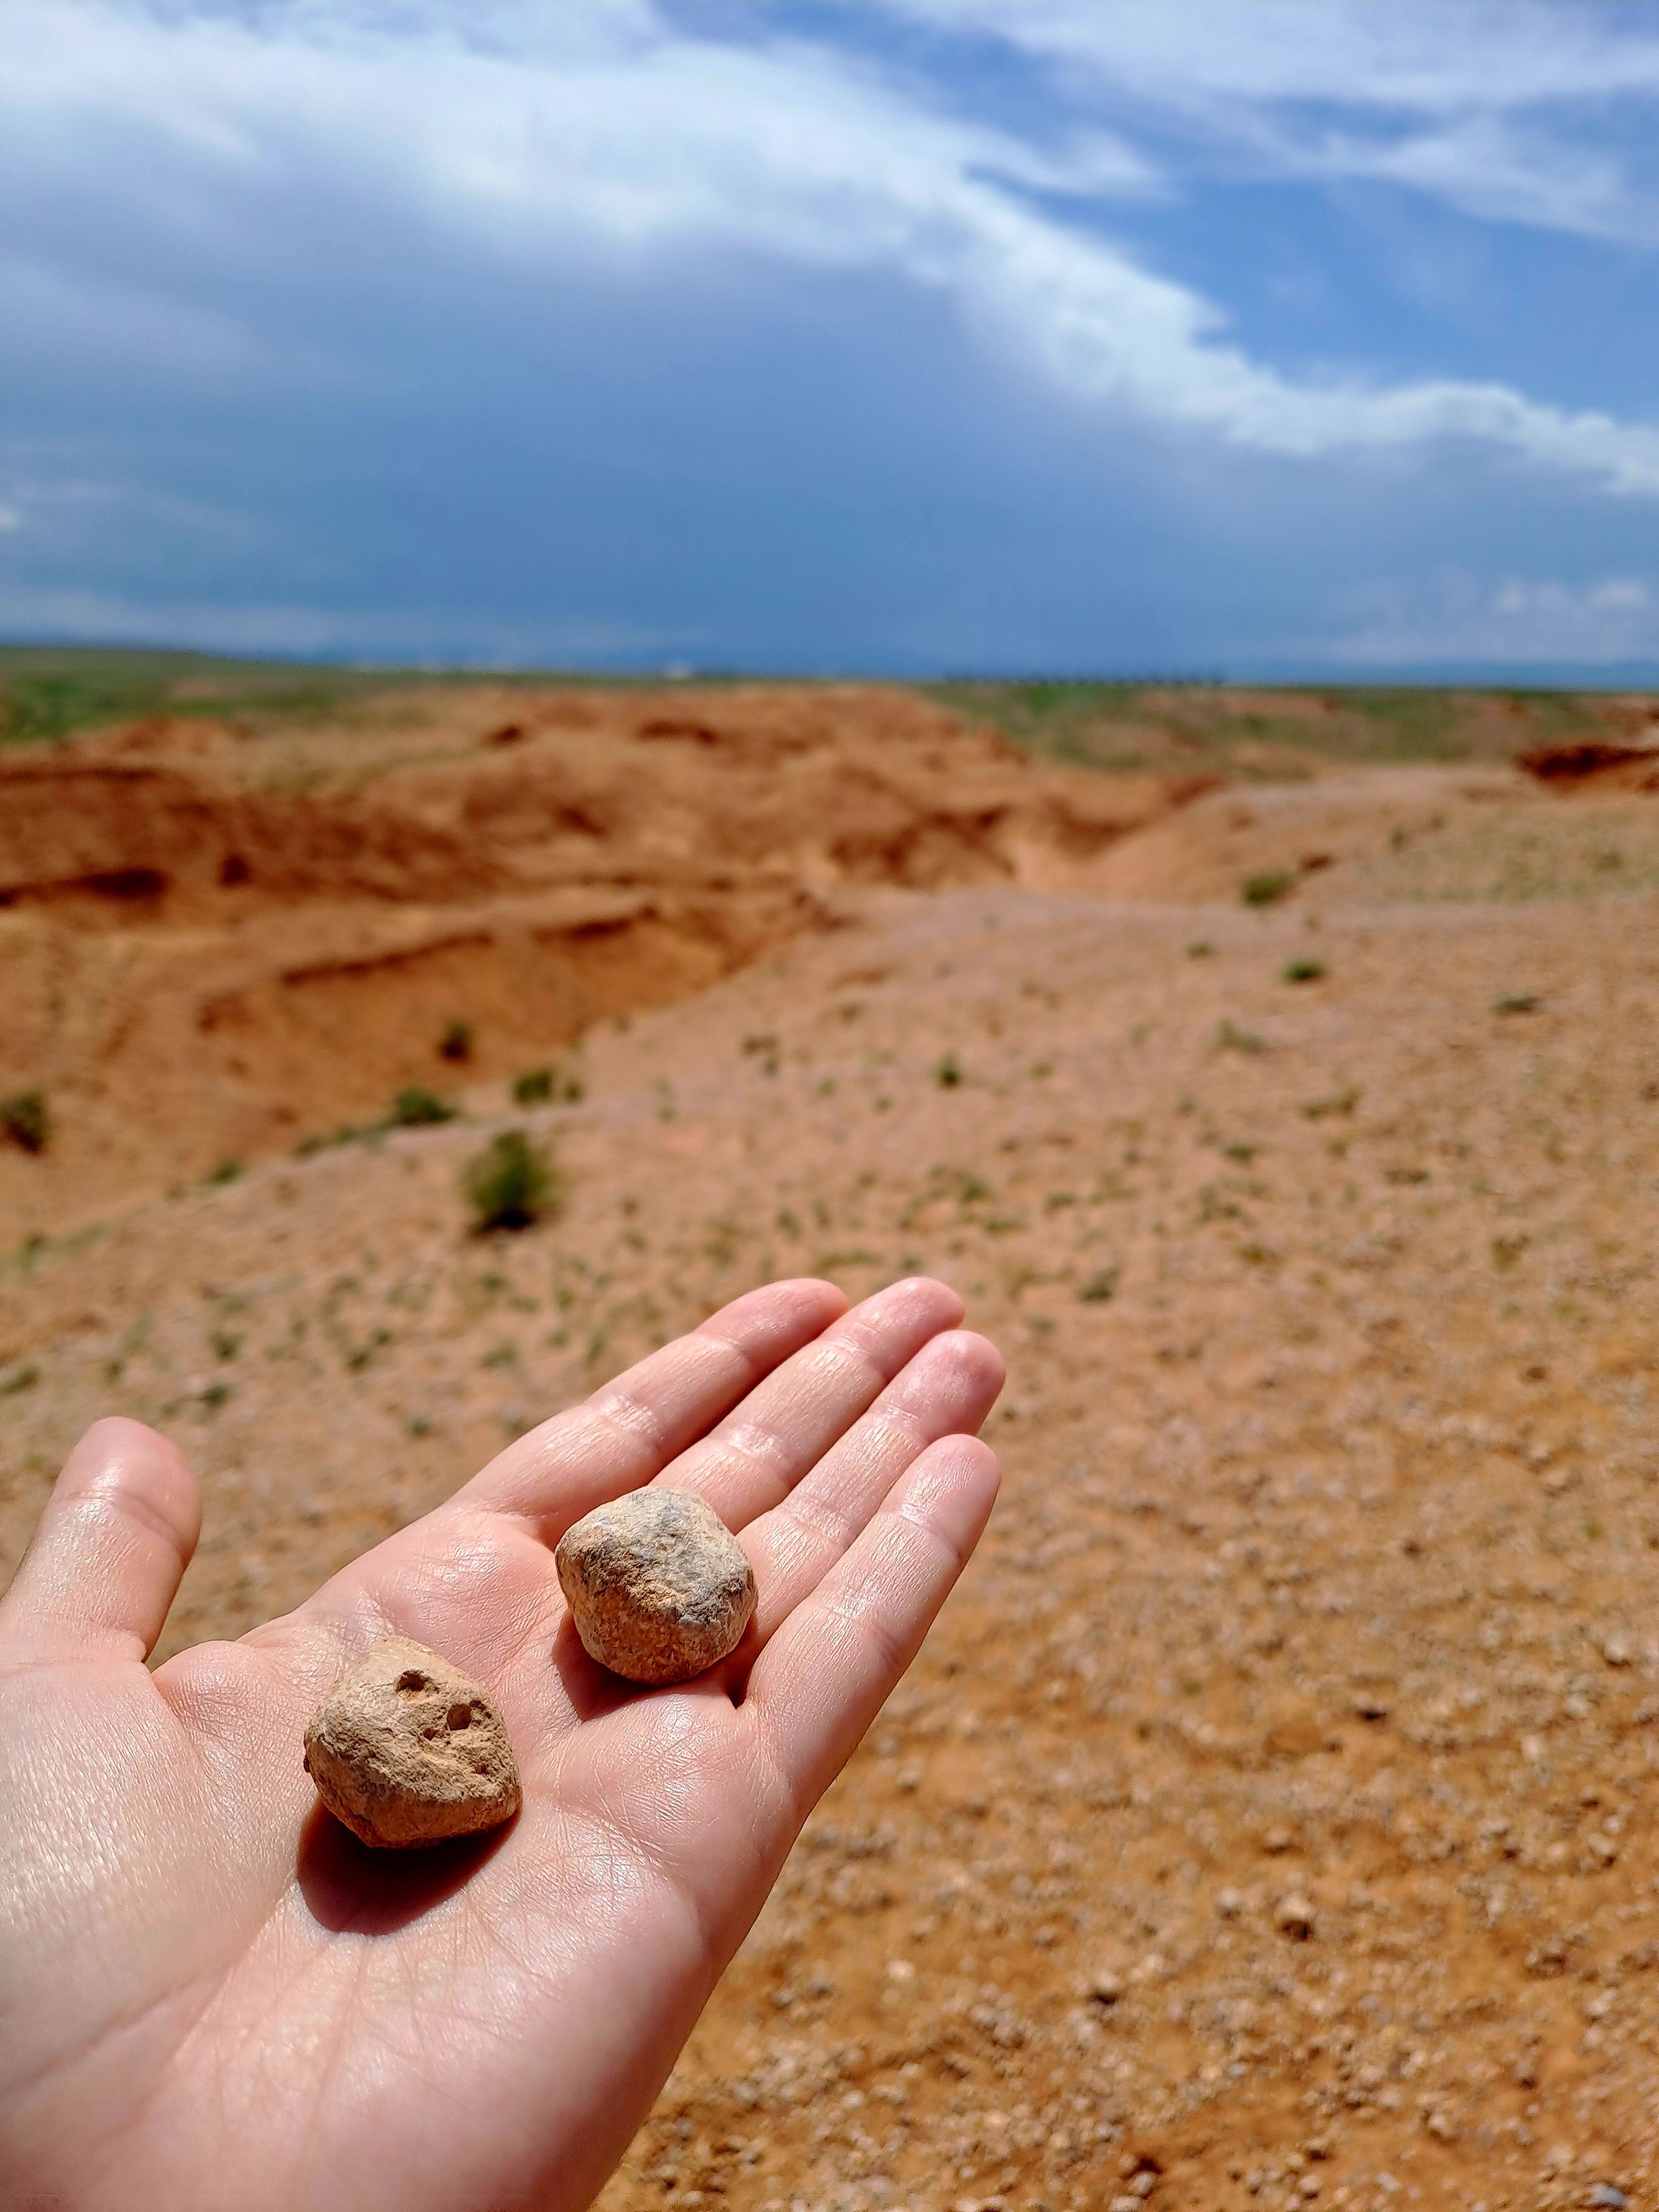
1294 1915
1106 1985
658 1587
407 1749
1606 2195
1370 1707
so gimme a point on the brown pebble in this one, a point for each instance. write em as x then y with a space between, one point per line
658 1587
407 1749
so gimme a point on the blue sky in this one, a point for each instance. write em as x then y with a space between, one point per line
1098 335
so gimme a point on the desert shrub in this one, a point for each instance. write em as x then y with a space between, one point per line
1101 1286
456 1043
947 1072
25 1120
1304 971
511 1183
1517 1002
415 1108
1266 887
227 1172
558 1085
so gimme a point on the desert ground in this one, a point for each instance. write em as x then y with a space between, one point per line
1267 1819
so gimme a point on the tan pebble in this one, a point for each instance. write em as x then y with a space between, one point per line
658 1587
1294 1916
407 1749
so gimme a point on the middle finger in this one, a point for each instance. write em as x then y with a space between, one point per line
756 1455
946 1390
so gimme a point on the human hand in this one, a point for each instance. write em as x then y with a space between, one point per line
212 1996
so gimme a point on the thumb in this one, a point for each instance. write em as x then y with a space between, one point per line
106 1561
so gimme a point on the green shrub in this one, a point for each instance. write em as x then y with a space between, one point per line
415 1108
947 1072
1304 971
227 1172
558 1085
1101 1286
456 1043
1267 888
25 1120
511 1183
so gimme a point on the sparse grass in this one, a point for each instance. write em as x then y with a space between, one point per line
25 1121
1303 969
49 692
1229 1037
1341 1102
1259 734
512 1184
1267 887
417 1107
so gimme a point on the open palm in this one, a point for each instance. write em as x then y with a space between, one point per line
212 1996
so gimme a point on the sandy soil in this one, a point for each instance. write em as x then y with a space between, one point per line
1268 1818
216 944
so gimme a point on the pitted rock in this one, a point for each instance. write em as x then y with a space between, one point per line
407 1749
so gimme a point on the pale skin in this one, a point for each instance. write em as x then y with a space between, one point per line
210 1996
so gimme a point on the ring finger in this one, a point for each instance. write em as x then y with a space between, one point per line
946 1389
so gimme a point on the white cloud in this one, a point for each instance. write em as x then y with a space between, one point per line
1435 56
1480 103
1514 622
11 518
539 133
